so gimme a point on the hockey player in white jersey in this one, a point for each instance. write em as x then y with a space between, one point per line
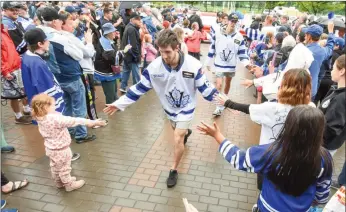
175 77
228 46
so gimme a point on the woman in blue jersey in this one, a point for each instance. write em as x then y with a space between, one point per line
297 169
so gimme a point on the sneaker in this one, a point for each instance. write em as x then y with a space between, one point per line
27 113
3 203
75 185
335 185
85 139
23 120
122 90
254 208
189 132
217 112
172 178
7 149
75 157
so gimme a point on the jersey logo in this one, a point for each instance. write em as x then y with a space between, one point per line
226 55
236 41
177 99
187 74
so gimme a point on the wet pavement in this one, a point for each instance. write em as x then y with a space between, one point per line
126 167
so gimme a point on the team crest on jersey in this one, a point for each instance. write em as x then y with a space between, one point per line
226 54
177 99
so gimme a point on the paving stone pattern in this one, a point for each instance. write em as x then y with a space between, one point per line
125 169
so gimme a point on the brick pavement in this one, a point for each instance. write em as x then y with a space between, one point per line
126 167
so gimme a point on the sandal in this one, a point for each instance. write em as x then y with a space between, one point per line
21 185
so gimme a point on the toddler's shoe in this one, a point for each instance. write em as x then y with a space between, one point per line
74 185
59 184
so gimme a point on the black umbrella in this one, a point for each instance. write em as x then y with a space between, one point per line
130 4
338 23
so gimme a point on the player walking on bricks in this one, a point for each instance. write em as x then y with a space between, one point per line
175 77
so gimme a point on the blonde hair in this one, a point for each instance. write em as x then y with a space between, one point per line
194 25
295 87
147 37
180 34
40 104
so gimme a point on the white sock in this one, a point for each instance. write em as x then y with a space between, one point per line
18 115
27 108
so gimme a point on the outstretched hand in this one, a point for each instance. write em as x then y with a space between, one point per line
110 109
213 131
220 99
97 122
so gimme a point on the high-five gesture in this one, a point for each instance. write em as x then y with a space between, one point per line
110 109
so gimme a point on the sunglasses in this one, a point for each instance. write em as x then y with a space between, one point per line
234 21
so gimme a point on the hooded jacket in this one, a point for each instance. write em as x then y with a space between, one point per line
10 59
334 107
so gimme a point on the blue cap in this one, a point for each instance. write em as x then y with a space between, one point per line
314 30
70 9
233 16
108 28
340 42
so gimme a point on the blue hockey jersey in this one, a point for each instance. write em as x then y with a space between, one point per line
37 79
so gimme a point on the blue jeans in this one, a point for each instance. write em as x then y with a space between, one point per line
127 68
75 105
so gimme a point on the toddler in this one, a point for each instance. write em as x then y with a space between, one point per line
53 128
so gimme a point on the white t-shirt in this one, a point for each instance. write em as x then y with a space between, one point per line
267 29
272 116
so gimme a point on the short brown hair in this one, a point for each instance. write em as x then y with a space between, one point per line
186 23
167 38
295 87
40 104
180 33
340 62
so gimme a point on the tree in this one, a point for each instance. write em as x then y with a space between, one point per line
314 7
272 4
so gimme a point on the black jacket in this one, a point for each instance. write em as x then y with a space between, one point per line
334 109
131 36
105 59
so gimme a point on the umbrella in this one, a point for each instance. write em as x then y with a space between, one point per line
338 23
130 4
239 14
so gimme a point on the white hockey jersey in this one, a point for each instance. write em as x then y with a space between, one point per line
227 49
176 89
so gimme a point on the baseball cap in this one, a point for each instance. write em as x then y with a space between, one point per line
11 5
33 36
108 28
71 9
314 30
165 24
283 29
340 42
49 14
233 16
134 15
218 14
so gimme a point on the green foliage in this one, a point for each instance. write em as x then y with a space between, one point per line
322 7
